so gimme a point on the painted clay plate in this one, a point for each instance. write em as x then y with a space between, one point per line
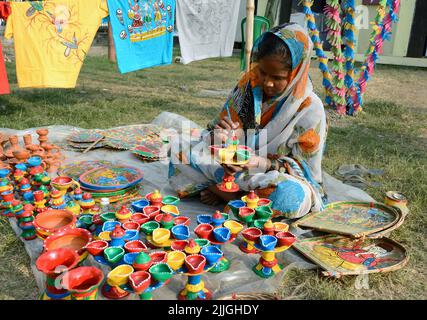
355 219
127 138
111 178
89 136
75 169
339 255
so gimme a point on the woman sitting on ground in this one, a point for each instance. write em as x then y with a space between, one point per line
275 111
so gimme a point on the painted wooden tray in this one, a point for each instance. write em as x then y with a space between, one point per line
88 136
339 255
111 178
76 169
127 138
355 219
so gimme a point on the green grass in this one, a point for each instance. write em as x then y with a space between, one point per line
387 135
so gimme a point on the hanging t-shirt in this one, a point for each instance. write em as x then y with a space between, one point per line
52 38
4 83
142 32
206 28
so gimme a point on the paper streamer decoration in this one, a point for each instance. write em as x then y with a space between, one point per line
350 43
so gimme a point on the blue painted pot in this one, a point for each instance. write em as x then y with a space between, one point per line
34 161
131 235
222 234
139 205
109 225
267 243
212 254
204 218
235 205
180 232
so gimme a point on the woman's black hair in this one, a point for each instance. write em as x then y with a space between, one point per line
271 45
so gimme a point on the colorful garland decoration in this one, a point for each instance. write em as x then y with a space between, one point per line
323 60
333 22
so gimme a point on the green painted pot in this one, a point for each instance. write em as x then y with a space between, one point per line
161 272
202 242
263 212
149 227
170 200
114 254
242 155
108 216
259 223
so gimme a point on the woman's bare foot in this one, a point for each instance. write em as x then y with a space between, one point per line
210 198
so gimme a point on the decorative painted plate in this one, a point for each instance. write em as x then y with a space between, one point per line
127 138
83 146
355 219
111 178
340 255
86 136
75 169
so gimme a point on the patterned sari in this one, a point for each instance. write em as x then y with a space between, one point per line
293 125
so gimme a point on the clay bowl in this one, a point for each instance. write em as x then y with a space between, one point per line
158 257
259 223
82 280
280 227
75 239
34 161
135 246
182 221
140 281
267 243
212 254
138 206
246 214
264 202
263 212
252 234
4 173
204 218
131 235
104 235
179 245
170 200
96 247
142 262
204 230
140 218
195 263
285 239
131 225
222 235
120 275
161 235
110 225
202 242
171 209
151 211
114 254
161 272
57 261
233 226
176 259
108 216
180 232
149 227
84 221
51 221
62 183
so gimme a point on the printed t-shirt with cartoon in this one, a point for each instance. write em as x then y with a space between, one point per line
52 38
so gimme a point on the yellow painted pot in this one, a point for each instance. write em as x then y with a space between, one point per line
280 227
176 259
161 235
104 235
119 275
226 155
234 226
171 209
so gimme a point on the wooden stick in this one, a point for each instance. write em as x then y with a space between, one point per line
94 144
111 48
250 12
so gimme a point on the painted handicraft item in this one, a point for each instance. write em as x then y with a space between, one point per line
75 169
355 219
340 256
127 138
111 178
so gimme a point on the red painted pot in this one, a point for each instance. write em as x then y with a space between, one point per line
83 282
179 245
140 281
182 220
75 239
151 211
55 262
53 221
96 247
203 230
252 234
140 218
131 225
285 239
195 263
158 257
135 246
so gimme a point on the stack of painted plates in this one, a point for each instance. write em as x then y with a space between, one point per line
149 153
116 182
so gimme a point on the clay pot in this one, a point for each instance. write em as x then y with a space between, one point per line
158 257
212 254
222 235
142 262
52 221
267 243
161 272
246 214
97 247
182 221
195 263
203 230
57 261
149 227
285 239
161 235
233 226
252 234
139 205
170 200
76 239
151 211
21 155
120 275
139 218
176 259
180 232
140 281
204 219
135 246
179 245
131 225
114 254
83 282
171 209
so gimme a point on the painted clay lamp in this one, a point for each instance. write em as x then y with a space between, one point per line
83 282
42 132
26 192
26 223
87 203
57 200
39 202
74 207
251 199
6 203
167 221
78 194
123 215
155 198
14 146
18 175
53 264
117 236
116 278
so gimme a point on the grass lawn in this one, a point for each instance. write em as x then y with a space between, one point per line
391 134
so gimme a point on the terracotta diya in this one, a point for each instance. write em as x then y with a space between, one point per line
51 221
